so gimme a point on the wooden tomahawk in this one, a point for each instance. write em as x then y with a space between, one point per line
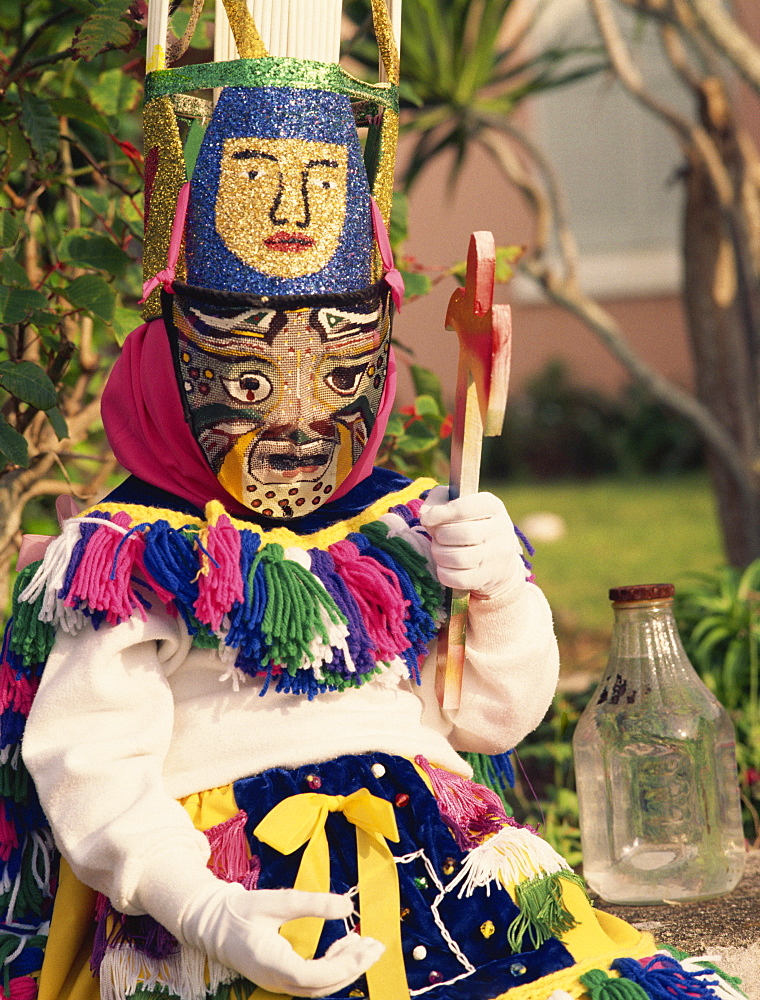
485 342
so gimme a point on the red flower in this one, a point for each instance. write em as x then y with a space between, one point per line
447 426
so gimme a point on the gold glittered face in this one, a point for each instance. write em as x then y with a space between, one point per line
281 203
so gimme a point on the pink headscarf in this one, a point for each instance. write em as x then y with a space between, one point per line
146 427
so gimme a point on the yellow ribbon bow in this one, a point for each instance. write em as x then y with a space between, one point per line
301 818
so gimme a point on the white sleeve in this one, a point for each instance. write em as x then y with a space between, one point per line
95 744
510 673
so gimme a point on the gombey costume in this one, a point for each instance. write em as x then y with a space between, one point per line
221 676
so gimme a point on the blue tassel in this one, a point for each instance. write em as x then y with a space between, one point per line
171 560
663 978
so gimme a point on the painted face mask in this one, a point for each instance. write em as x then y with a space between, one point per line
280 392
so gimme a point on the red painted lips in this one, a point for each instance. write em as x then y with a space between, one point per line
289 242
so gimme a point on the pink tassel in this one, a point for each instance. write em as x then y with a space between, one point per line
16 693
472 812
378 594
93 583
222 583
8 835
414 505
20 988
251 879
229 849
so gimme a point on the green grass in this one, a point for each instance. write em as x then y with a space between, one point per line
618 533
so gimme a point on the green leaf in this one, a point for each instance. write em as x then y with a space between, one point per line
399 228
12 444
415 283
15 147
9 228
58 422
505 258
29 383
93 250
123 323
91 292
116 92
17 304
427 383
395 427
417 438
426 406
103 30
193 145
41 126
71 107
12 273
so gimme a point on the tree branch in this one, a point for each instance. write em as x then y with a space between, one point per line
730 40
603 325
691 136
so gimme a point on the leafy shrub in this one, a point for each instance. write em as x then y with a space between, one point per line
557 429
718 616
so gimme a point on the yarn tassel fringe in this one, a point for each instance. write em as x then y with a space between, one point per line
542 911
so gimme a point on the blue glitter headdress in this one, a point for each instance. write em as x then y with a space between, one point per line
276 113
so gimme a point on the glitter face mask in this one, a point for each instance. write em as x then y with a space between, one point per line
279 197
281 393
295 190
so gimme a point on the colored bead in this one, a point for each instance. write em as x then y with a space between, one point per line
421 882
448 866
419 953
401 800
435 977
517 969
378 770
313 781
487 929
405 913
356 993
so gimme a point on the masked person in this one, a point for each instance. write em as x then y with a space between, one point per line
236 739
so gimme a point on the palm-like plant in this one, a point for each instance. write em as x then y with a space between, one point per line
466 65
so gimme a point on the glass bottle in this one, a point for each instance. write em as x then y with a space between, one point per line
655 766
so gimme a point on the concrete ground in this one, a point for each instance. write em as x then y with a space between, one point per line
727 928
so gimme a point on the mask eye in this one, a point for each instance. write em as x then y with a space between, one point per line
250 387
344 380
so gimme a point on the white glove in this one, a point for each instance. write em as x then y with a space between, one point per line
474 543
240 929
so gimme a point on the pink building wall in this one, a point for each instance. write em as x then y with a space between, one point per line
440 222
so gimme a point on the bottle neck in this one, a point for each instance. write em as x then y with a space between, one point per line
645 637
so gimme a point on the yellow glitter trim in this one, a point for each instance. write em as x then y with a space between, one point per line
156 60
568 979
247 38
161 132
385 39
282 536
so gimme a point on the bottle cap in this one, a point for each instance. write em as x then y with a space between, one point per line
642 592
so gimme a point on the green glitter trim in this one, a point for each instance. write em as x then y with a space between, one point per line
269 71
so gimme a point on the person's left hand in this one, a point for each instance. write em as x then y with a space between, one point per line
474 543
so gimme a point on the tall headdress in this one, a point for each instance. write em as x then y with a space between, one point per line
266 227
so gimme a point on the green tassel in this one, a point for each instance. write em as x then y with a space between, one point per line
14 777
542 912
600 986
292 616
30 897
31 639
429 589
204 638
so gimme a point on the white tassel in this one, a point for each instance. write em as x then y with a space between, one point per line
182 974
512 855
49 578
